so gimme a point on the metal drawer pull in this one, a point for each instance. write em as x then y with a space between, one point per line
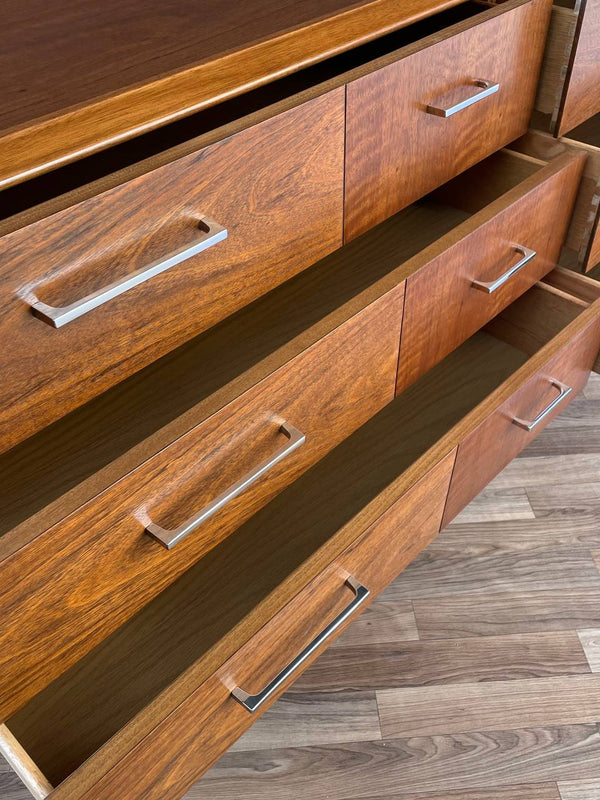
210 233
490 286
253 701
488 88
170 538
563 391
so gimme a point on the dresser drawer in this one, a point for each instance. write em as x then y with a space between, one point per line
511 426
582 245
416 123
135 271
150 707
569 89
509 245
77 581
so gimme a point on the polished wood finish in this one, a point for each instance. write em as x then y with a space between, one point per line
396 152
442 308
581 94
559 42
582 244
280 766
258 339
96 568
69 95
188 741
421 425
498 440
282 205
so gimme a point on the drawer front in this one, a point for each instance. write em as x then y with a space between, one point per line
77 582
397 150
183 745
280 202
500 437
581 92
461 289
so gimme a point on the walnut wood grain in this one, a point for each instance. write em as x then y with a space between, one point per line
76 80
281 203
498 440
72 600
315 522
28 771
581 94
186 743
582 240
442 308
463 400
396 152
258 339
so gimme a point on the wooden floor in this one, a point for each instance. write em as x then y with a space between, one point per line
476 676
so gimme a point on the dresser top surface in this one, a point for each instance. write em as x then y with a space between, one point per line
104 71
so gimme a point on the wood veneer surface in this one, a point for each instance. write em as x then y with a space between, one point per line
200 618
76 77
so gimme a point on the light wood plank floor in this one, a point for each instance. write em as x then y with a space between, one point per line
476 676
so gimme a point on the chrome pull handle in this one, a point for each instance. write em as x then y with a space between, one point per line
563 392
487 88
490 286
170 538
252 702
210 232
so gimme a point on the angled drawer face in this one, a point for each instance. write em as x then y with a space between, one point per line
581 93
582 244
511 426
136 271
151 706
98 566
517 241
569 90
416 123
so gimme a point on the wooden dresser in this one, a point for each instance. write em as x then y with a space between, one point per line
280 296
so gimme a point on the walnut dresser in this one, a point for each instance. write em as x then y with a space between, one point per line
283 287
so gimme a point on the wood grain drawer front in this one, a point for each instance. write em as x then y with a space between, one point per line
577 84
188 741
582 244
466 285
500 437
77 582
280 202
399 144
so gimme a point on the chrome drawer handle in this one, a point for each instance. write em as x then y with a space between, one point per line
210 233
487 87
253 701
490 286
170 538
563 392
